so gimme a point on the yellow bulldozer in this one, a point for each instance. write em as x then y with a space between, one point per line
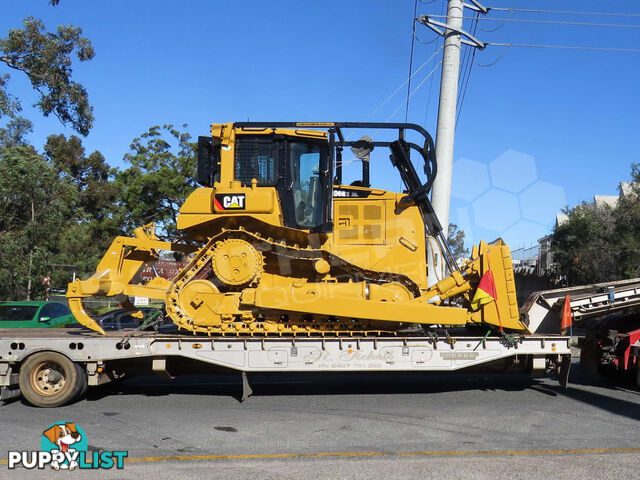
276 244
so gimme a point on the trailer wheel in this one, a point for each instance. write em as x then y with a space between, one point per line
49 379
83 384
638 377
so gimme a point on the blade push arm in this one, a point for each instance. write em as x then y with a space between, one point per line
116 270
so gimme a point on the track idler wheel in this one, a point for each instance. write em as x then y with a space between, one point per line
201 301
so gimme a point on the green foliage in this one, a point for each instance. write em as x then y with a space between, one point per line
599 244
162 173
58 209
91 175
14 132
455 239
46 59
583 248
34 202
627 230
96 219
65 207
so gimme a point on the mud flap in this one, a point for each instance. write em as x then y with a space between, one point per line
246 387
7 393
565 367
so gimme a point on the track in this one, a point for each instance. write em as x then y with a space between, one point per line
197 284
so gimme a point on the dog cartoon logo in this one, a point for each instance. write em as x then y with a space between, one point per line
64 446
66 438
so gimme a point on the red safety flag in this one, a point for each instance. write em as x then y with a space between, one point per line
486 292
567 316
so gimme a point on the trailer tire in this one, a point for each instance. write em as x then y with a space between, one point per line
83 384
638 377
49 379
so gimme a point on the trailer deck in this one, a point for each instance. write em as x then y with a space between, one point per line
536 354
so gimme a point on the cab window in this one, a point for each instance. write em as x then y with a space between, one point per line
305 183
255 158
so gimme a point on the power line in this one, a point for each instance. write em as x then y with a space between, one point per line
463 73
422 42
495 29
464 91
464 63
416 89
466 82
413 42
393 94
426 111
492 63
465 58
565 47
552 22
600 14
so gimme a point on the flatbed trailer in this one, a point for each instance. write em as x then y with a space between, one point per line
612 347
52 367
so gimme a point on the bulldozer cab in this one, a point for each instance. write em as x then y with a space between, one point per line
296 165
303 161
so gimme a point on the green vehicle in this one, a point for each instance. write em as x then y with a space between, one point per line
34 314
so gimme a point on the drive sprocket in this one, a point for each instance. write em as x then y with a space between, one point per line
236 262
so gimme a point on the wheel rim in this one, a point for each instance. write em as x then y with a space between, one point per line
48 379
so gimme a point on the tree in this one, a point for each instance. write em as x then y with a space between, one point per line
34 207
160 176
96 217
627 228
583 247
455 239
46 59
91 175
15 132
600 243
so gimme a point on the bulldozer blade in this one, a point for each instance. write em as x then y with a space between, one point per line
75 304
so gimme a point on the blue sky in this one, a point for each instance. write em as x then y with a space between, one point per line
539 129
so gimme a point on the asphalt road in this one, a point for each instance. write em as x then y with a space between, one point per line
337 426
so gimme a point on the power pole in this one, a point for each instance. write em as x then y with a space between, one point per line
445 132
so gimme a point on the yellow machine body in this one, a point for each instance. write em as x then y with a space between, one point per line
269 253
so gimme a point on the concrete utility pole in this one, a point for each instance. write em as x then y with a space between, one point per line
445 133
